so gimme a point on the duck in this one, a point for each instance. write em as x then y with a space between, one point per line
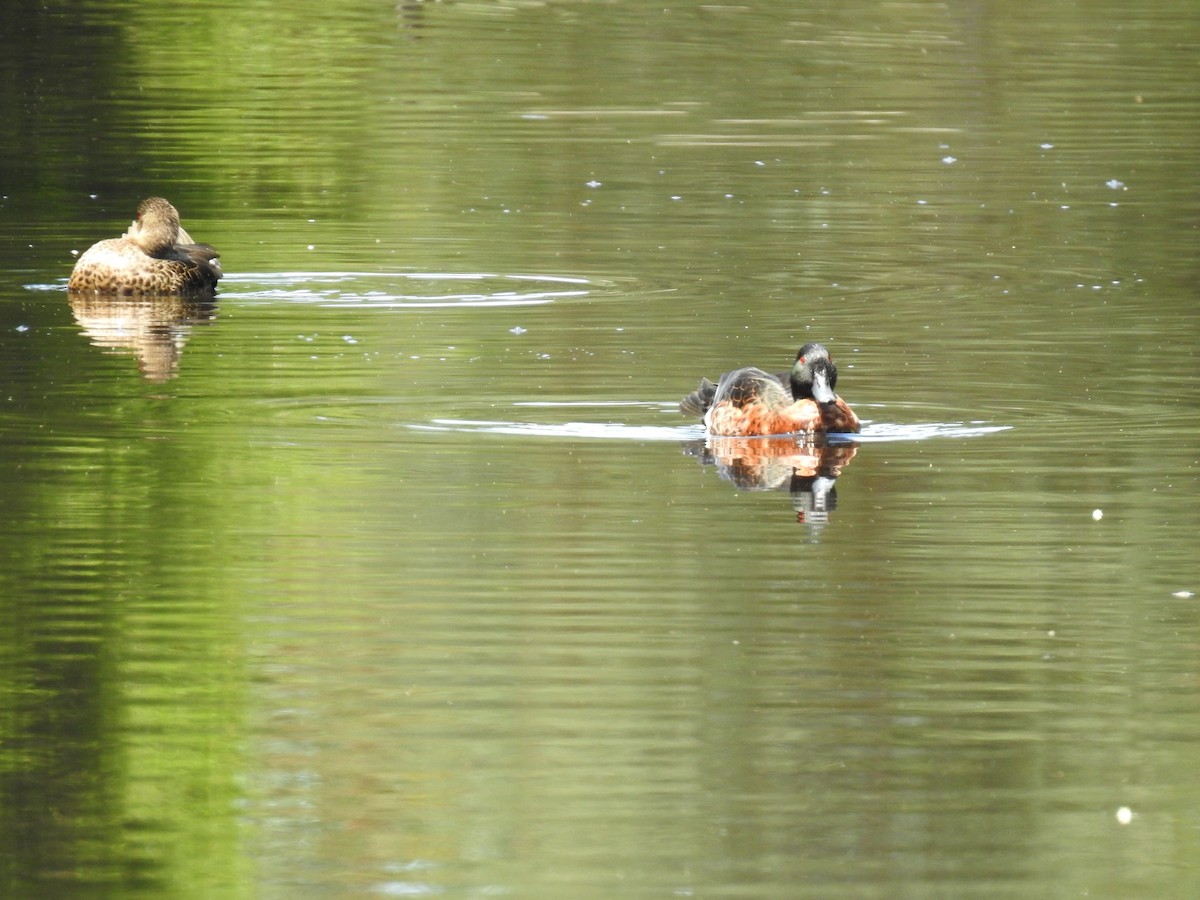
750 402
155 256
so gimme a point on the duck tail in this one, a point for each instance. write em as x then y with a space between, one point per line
698 401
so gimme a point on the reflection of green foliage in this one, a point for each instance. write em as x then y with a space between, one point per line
437 126
251 100
120 696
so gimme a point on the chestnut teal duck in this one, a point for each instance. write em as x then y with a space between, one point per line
155 256
750 402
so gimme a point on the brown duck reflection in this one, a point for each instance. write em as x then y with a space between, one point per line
806 467
154 328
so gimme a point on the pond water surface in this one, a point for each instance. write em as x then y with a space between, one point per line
395 571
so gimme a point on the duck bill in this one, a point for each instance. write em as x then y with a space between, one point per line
822 390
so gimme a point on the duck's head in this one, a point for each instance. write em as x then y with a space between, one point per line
814 374
156 227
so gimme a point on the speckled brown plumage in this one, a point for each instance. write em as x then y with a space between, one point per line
155 256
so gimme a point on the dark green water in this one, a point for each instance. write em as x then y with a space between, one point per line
396 572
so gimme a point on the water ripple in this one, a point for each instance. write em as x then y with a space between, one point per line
399 290
872 432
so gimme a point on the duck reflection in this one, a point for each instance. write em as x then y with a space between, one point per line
806 467
154 328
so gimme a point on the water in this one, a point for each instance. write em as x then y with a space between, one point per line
395 571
